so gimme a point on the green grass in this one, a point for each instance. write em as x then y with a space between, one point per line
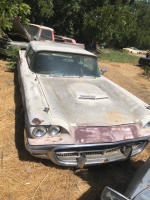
116 56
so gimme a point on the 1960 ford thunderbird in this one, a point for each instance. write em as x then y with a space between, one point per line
73 114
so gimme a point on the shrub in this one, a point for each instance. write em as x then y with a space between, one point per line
146 70
12 57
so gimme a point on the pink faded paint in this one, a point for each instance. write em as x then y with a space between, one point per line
109 134
60 139
84 135
67 40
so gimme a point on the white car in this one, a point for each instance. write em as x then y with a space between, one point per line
73 114
135 50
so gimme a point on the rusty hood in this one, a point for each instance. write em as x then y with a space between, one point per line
91 102
17 27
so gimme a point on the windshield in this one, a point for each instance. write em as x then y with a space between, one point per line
33 31
65 64
46 35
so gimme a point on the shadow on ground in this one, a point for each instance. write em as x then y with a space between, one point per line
115 175
3 57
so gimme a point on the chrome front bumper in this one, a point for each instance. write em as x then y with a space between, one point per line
98 153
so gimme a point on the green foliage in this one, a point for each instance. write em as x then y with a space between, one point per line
119 23
46 8
116 56
41 11
9 9
146 70
143 21
12 57
115 24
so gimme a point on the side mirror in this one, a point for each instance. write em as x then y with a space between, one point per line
110 194
103 70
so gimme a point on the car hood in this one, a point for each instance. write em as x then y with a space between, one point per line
17 27
91 102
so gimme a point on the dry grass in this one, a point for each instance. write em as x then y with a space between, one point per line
27 178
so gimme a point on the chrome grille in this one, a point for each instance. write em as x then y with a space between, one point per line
99 155
86 153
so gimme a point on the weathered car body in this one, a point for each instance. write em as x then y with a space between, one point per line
138 189
135 50
20 36
62 90
66 40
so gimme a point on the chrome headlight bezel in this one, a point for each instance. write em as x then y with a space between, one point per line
54 130
47 131
39 128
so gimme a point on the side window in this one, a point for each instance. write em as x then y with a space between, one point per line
30 55
68 41
46 35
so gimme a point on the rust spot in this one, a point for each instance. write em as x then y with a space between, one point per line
47 139
116 130
36 121
148 185
115 117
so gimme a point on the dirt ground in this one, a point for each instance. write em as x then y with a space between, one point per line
24 177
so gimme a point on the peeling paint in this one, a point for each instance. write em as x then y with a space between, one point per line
37 121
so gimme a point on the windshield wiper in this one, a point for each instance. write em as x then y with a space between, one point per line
56 75
71 76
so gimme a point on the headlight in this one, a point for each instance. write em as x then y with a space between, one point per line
54 130
147 125
39 131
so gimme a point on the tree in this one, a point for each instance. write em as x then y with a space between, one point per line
94 21
113 23
142 9
9 9
41 11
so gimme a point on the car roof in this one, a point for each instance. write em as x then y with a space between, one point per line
43 27
58 47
